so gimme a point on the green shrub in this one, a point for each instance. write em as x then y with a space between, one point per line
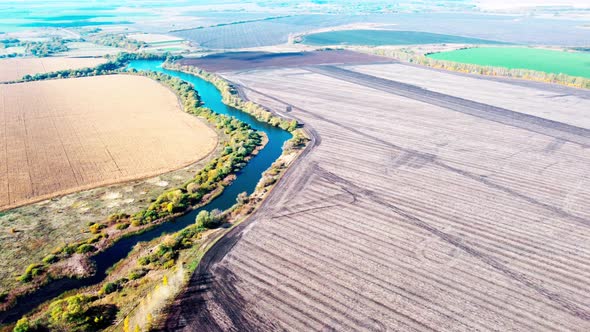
49 259
117 217
23 325
110 287
96 228
70 309
144 260
168 264
95 238
206 219
137 274
31 271
69 249
122 226
76 313
85 248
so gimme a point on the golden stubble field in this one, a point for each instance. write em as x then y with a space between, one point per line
16 68
62 136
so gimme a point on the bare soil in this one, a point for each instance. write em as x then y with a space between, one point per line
561 106
408 215
222 62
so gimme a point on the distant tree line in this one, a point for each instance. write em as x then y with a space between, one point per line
9 55
37 48
57 45
7 43
114 65
46 48
118 40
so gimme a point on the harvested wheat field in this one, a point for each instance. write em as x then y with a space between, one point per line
61 136
415 210
16 68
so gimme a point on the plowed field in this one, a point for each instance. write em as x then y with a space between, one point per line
416 210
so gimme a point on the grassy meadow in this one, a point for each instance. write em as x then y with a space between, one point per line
549 61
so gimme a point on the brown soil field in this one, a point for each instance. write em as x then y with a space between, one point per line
15 68
413 212
558 106
62 136
222 62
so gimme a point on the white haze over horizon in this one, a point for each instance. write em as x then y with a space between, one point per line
516 4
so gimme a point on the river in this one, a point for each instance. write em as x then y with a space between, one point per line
246 181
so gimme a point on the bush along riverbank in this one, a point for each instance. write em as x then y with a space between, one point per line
231 97
138 288
242 144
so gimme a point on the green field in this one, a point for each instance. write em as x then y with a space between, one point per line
386 37
570 63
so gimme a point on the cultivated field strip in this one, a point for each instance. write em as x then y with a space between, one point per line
537 124
386 284
449 143
66 135
556 104
244 61
406 216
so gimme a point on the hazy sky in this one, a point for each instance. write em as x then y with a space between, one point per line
499 4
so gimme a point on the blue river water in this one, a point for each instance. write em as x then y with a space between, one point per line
246 181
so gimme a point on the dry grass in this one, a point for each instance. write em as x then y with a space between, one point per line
408 217
16 68
67 135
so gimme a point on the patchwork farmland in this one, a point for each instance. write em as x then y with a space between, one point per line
260 33
56 143
531 30
233 61
15 69
409 213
